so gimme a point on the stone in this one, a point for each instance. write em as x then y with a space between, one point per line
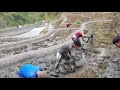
96 51
51 67
104 53
72 68
78 64
53 74
66 67
62 70
100 58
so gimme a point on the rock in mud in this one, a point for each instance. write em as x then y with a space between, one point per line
62 70
50 44
102 66
66 67
103 53
78 64
72 68
54 74
57 71
95 50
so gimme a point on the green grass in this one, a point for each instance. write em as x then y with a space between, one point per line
102 38
9 19
21 18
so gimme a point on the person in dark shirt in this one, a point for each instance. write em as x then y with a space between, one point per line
64 52
116 41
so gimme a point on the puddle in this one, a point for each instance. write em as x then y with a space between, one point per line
34 32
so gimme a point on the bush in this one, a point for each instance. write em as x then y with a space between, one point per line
20 18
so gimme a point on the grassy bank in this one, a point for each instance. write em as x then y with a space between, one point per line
10 19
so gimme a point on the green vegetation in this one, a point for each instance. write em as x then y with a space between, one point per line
102 34
51 16
8 19
19 18
115 24
102 38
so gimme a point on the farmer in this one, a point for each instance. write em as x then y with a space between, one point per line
69 24
31 71
65 52
79 34
116 41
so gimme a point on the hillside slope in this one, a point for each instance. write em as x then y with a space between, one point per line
8 19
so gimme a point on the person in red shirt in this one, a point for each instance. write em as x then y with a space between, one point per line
81 34
68 24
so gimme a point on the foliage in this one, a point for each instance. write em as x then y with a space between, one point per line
21 18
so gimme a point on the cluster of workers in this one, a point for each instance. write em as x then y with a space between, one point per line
64 52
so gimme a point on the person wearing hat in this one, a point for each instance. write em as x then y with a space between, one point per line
64 52
31 71
116 41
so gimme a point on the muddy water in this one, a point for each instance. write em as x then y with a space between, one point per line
47 62
34 32
88 61
113 68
